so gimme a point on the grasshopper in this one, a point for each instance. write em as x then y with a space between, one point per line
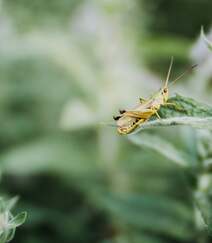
129 120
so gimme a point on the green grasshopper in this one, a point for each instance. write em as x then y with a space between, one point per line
129 120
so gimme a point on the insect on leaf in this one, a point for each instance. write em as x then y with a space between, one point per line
186 112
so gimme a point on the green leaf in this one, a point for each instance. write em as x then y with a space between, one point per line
203 205
11 203
3 205
3 237
188 112
208 42
19 219
55 153
134 237
11 234
161 146
154 213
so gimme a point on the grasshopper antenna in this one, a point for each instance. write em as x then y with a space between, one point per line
169 72
185 72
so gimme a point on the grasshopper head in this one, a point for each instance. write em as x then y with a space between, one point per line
165 93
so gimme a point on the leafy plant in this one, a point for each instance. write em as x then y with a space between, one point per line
198 167
71 69
8 222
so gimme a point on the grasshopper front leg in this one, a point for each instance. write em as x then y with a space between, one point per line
158 116
177 107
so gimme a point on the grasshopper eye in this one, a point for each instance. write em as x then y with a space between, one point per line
165 90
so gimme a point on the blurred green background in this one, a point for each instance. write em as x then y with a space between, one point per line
66 66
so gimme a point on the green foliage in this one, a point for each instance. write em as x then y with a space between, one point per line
208 42
186 107
191 113
8 222
175 17
150 213
71 68
28 14
155 49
